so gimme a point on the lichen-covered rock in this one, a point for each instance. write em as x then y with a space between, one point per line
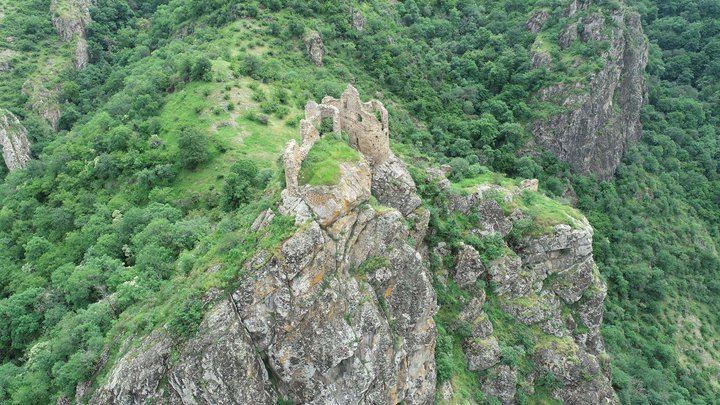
71 19
329 203
211 365
263 220
341 312
358 20
493 219
468 267
583 381
505 272
502 384
601 118
137 377
541 59
482 353
81 57
592 28
6 56
546 280
315 48
393 186
568 36
14 141
474 316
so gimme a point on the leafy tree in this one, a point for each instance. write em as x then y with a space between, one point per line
194 147
239 184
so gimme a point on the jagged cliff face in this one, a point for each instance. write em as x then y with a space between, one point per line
342 313
601 118
547 281
71 18
14 141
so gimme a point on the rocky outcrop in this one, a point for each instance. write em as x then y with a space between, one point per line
315 48
81 57
546 280
601 118
358 20
536 23
14 141
71 19
6 56
43 101
339 313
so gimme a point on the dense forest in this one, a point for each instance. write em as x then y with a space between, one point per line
168 142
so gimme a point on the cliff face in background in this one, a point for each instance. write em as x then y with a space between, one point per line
14 141
600 118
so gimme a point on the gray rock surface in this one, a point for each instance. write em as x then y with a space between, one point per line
358 20
393 186
537 21
548 281
136 378
6 56
14 141
221 355
502 384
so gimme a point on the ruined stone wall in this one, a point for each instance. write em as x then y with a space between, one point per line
366 125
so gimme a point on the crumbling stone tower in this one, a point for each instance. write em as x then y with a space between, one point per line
366 125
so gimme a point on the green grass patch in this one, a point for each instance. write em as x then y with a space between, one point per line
322 165
489 177
545 213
